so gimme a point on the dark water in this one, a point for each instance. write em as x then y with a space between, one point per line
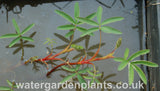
46 23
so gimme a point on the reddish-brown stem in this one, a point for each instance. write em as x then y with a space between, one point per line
98 48
75 63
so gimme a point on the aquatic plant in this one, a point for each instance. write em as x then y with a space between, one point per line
11 88
18 36
100 26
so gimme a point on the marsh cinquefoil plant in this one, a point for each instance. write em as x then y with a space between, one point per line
11 88
83 60
18 36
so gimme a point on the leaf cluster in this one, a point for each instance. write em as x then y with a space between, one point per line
19 35
11 84
77 20
132 65
75 73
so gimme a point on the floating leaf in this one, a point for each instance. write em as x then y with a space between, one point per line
84 70
69 34
68 77
118 59
146 63
140 73
27 29
111 20
77 67
91 30
66 27
9 83
88 21
14 41
108 29
88 77
126 53
141 52
16 26
81 29
5 88
81 80
130 74
91 16
66 16
98 74
76 10
9 36
91 73
122 65
28 39
118 43
97 81
99 14
68 69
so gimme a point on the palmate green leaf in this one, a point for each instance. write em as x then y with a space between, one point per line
14 41
140 73
91 73
28 39
84 70
68 77
27 29
81 29
81 80
111 20
66 27
9 83
68 69
69 34
141 52
88 77
16 26
76 10
91 30
126 53
77 67
91 16
88 21
96 80
118 43
99 14
118 59
98 74
108 29
66 16
130 74
122 65
5 88
9 36
146 63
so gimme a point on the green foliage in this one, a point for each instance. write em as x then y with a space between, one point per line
99 25
75 73
77 47
132 65
18 34
74 22
11 84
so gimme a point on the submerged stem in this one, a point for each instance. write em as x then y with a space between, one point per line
21 40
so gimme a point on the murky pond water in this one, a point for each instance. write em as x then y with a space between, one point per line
46 23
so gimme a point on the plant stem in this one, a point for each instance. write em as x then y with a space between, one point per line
21 40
